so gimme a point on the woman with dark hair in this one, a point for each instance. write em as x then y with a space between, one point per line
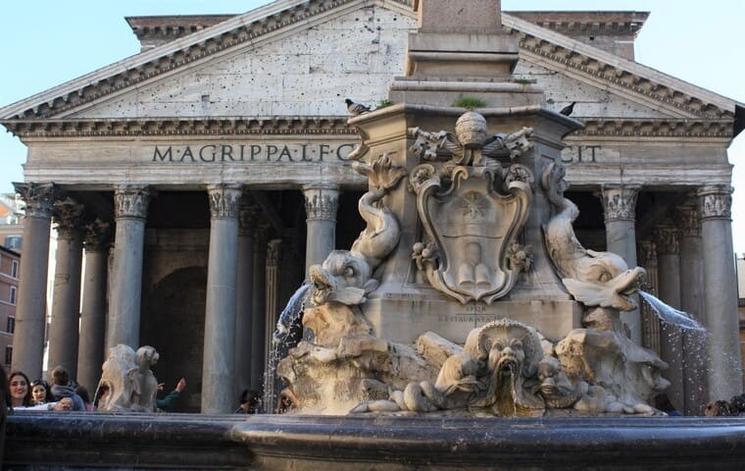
41 393
19 389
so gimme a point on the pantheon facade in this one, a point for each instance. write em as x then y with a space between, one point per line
192 184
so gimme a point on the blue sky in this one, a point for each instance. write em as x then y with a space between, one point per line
46 42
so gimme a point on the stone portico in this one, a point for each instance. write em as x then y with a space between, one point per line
199 179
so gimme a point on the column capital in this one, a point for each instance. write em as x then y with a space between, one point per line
715 202
690 221
39 198
131 201
68 215
260 233
647 253
248 212
619 202
667 240
321 202
274 252
224 200
97 236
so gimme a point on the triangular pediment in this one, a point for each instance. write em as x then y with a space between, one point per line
308 72
302 58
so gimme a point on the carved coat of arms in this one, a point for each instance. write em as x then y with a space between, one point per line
472 201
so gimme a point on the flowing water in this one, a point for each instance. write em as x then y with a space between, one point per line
670 315
287 334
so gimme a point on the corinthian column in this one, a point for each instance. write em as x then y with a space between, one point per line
321 205
218 367
130 211
258 310
650 321
668 275
28 341
619 204
692 302
720 292
244 296
93 312
273 256
63 331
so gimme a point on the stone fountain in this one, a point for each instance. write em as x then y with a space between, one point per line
466 299
468 294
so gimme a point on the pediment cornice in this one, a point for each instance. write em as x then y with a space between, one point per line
621 74
681 99
50 128
329 126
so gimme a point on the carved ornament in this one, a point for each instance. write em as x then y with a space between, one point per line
131 201
224 200
38 197
68 214
716 202
619 202
472 207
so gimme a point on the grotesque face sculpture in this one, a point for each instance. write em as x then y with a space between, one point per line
506 357
470 129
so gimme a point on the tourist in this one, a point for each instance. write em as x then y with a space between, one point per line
41 393
86 397
169 403
19 390
61 388
249 402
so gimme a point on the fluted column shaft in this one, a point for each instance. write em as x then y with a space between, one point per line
244 298
321 205
619 204
692 302
218 367
720 293
65 322
671 342
28 341
130 208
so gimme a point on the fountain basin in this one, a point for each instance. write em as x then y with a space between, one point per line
182 441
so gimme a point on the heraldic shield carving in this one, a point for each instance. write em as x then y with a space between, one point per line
472 201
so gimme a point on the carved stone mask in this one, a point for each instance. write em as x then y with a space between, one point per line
470 129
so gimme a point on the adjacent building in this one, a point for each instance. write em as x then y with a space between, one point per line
10 272
220 151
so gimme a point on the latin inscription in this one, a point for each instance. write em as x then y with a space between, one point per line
582 154
247 153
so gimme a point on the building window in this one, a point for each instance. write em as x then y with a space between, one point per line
12 297
8 355
11 326
14 269
13 242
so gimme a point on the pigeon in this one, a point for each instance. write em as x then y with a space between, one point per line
356 109
567 110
